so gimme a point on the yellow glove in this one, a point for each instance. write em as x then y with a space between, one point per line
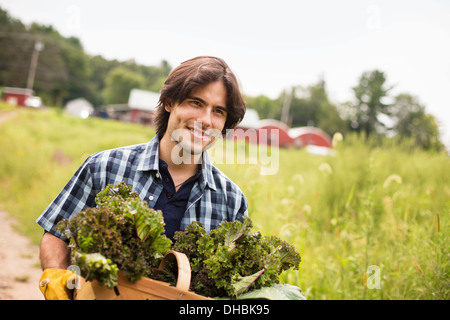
55 284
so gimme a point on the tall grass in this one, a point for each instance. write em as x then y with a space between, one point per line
41 150
369 222
361 207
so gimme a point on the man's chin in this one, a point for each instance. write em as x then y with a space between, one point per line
185 152
194 148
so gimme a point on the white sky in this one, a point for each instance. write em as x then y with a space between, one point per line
272 45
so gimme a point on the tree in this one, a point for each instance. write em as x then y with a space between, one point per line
100 67
78 73
16 47
64 71
369 106
411 121
327 115
266 107
312 107
119 82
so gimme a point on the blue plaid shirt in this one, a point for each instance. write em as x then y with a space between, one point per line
214 197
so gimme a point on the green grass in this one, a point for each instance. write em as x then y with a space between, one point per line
358 208
363 206
41 150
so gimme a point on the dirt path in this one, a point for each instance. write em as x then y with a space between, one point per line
19 259
19 264
7 115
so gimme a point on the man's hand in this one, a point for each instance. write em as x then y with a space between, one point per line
55 284
55 259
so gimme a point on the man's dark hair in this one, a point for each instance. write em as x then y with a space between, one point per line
197 73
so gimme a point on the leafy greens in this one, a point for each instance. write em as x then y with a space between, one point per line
232 259
123 233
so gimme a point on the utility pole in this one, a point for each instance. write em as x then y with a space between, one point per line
38 47
286 106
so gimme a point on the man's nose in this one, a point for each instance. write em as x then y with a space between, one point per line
205 118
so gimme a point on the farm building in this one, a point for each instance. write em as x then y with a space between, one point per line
254 130
304 136
250 121
119 112
79 108
266 127
17 96
142 106
247 129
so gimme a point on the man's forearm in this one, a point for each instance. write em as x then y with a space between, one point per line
54 252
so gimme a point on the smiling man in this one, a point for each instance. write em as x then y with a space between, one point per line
199 101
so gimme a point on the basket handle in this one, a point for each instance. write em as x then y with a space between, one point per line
184 268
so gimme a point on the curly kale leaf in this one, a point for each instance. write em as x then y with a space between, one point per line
122 229
113 195
232 232
193 242
232 259
285 252
95 266
243 283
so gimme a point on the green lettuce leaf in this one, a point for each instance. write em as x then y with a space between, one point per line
243 283
274 292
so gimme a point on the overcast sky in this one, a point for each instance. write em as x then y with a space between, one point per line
272 45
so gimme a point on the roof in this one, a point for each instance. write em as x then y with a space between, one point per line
251 120
296 132
23 91
274 123
79 107
143 100
79 102
310 136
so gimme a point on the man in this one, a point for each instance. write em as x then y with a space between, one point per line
199 101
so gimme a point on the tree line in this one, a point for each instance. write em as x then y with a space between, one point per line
66 72
373 112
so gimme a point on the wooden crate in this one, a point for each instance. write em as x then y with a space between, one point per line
144 289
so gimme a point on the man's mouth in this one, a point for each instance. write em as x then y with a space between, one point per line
198 133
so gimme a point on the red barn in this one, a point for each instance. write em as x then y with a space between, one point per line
281 129
17 96
247 129
254 130
142 106
305 136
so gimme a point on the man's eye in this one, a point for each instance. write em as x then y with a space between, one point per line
195 102
220 112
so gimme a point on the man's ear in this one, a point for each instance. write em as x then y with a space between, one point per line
168 105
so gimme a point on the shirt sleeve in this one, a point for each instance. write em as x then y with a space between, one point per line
75 196
243 208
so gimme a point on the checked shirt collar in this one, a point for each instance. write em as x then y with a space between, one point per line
150 162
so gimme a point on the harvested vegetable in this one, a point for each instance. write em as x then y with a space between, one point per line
123 233
232 259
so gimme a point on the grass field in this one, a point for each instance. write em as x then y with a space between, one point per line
369 222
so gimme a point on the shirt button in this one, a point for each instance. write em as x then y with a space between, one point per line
157 175
150 198
169 196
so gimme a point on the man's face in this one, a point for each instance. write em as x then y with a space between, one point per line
196 122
